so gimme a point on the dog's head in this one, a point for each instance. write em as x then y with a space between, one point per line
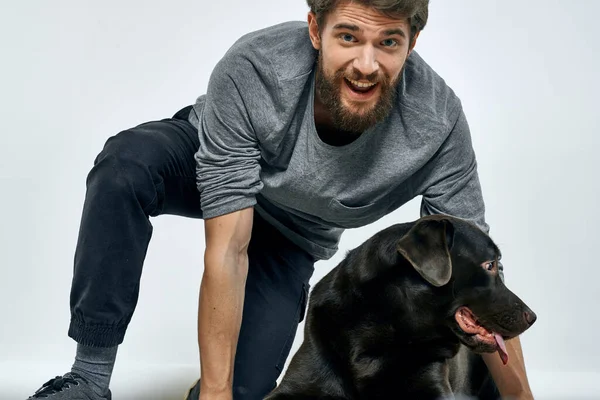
458 259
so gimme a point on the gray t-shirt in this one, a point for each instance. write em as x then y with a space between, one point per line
259 146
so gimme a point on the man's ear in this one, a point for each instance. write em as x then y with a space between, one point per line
427 247
313 31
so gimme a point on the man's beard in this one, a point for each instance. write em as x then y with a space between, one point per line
329 91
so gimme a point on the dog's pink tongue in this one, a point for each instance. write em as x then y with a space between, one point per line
501 348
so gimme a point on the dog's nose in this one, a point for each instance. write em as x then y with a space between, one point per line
530 316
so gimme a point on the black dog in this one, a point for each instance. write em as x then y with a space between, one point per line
395 318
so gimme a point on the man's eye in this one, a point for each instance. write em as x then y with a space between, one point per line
390 43
489 266
347 37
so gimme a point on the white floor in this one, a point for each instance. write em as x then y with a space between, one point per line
170 382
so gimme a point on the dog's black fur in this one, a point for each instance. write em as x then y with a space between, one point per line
384 322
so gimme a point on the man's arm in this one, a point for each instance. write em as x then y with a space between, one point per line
511 379
221 300
450 185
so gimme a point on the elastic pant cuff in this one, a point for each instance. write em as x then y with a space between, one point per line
96 335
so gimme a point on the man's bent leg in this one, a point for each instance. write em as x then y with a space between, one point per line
275 301
276 298
145 171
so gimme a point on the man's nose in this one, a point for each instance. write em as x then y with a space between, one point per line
366 61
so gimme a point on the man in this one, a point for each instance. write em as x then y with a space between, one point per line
303 132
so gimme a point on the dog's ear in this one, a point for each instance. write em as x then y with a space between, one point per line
427 247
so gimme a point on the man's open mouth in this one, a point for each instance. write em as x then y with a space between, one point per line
359 86
468 323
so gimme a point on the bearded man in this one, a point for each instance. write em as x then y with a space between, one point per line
306 129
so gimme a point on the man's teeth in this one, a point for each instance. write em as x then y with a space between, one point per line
361 84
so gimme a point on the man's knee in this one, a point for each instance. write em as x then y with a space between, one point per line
122 171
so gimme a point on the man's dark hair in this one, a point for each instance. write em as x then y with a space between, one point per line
417 11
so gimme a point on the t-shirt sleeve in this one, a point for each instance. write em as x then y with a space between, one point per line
453 186
228 158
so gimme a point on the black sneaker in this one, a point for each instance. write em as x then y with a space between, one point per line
70 386
194 392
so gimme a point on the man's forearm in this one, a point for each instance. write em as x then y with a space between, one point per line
511 379
219 319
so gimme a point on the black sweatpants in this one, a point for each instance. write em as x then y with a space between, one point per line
147 171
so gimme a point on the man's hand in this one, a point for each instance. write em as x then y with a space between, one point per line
221 300
511 379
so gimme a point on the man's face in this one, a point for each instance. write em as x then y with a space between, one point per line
361 57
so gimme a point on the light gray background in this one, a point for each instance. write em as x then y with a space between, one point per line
74 73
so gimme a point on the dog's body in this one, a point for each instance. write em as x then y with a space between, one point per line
394 317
